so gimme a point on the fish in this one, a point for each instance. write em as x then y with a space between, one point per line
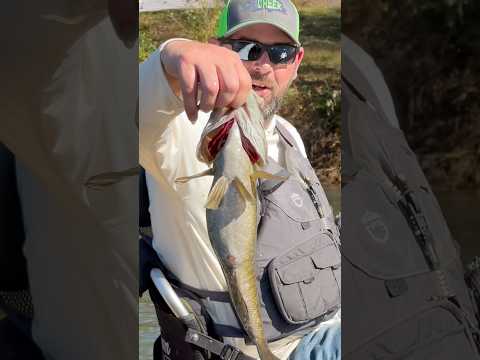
234 143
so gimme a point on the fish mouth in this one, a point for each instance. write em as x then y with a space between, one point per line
218 139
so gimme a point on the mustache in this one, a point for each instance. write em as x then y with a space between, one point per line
262 80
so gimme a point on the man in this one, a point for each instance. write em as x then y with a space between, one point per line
257 48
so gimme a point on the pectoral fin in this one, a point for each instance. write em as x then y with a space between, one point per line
242 189
258 174
184 179
217 193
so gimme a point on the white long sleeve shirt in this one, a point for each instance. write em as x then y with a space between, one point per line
167 144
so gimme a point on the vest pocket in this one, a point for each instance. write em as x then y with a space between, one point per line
304 280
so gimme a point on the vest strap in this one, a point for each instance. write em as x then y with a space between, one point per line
224 351
285 135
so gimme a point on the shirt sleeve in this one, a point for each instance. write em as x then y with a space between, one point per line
299 142
158 107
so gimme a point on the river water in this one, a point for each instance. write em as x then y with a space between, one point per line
148 328
157 5
461 209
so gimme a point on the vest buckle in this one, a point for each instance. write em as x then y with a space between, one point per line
229 353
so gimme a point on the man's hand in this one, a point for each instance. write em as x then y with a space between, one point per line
217 72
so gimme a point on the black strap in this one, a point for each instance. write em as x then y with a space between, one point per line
13 264
149 259
421 230
224 351
398 189
144 202
285 135
405 198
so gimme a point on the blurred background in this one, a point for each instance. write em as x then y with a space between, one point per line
312 103
428 52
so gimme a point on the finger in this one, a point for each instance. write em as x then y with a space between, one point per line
209 86
244 86
189 87
229 83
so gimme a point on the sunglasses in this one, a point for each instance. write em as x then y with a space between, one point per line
252 51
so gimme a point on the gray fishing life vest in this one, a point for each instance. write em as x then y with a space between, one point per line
297 258
396 247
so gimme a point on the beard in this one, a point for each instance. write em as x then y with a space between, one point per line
271 108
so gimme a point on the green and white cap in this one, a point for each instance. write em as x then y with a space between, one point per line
238 14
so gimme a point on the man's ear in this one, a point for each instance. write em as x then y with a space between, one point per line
298 61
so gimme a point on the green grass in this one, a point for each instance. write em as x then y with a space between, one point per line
312 103
197 24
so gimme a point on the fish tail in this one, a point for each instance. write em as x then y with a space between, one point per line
246 303
217 193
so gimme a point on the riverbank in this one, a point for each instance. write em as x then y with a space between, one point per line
313 101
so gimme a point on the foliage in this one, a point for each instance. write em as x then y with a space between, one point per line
313 101
200 23
146 45
194 23
429 52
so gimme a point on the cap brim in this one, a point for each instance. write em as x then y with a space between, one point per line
256 22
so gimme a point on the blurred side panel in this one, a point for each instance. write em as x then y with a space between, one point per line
69 182
410 179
